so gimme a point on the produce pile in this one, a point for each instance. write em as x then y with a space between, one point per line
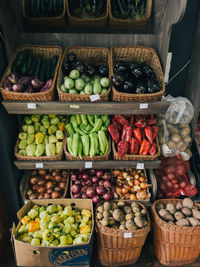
41 135
87 135
95 184
135 135
30 73
46 184
127 9
43 8
131 184
87 8
184 213
55 226
135 78
122 215
172 178
82 79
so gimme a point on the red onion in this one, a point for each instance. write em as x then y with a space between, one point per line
183 184
33 180
80 176
107 184
107 176
84 196
77 195
58 178
101 182
88 183
93 172
90 192
80 170
95 180
49 185
85 176
95 199
108 196
83 183
75 188
100 190
72 172
77 182
73 177
83 189
99 173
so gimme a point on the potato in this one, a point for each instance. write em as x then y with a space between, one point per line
123 222
121 203
143 212
193 221
196 213
186 211
107 205
172 129
129 216
160 206
114 206
188 151
106 214
175 138
99 215
183 148
138 214
135 205
104 222
171 222
111 212
183 222
164 214
187 140
111 221
195 207
171 144
100 208
179 145
188 203
135 210
179 206
183 125
127 209
179 215
139 221
171 208
130 225
122 227
118 215
185 132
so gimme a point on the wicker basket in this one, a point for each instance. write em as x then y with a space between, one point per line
114 249
130 24
174 245
99 23
68 156
46 52
87 55
137 53
135 157
58 22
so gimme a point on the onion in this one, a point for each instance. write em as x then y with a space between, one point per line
41 189
49 185
47 195
118 190
85 176
96 199
42 172
176 186
57 189
77 182
54 173
100 190
62 185
108 196
84 196
93 172
127 196
169 185
107 176
73 177
55 195
29 192
141 195
58 178
64 180
64 174
165 179
95 180
83 189
99 173
171 176
137 182
77 195
41 182
83 183
75 188
90 191
101 182
88 183
41 196
107 184
33 196
48 177
33 180
34 172
124 190
49 191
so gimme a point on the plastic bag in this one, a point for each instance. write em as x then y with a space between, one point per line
172 178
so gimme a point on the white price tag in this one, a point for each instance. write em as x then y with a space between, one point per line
31 106
94 98
144 106
127 235
39 165
88 165
140 166
74 106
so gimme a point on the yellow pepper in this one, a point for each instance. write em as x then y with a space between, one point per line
39 137
34 226
25 220
86 213
85 230
61 126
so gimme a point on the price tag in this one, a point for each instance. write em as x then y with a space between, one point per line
39 165
74 106
144 106
31 106
94 98
140 166
88 165
127 235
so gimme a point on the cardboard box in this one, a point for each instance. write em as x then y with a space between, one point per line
73 255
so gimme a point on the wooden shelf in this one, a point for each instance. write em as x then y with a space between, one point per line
110 164
57 107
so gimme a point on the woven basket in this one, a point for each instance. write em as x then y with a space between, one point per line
68 156
137 53
46 52
114 249
58 22
88 55
130 24
174 245
87 23
136 157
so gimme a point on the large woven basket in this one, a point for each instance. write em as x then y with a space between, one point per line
99 23
130 24
68 156
114 249
174 245
138 53
46 52
88 55
58 22
136 157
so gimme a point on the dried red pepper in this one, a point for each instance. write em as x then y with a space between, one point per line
119 126
152 121
142 146
146 148
114 132
121 120
141 123
149 134
152 150
155 129
122 147
134 146
132 119
126 133
138 134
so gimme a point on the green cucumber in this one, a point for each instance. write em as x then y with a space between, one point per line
47 68
38 66
29 63
42 71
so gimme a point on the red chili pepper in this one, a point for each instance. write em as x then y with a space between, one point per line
126 133
122 147
121 119
140 123
155 129
119 126
149 134
138 134
114 132
147 148
134 146
132 119
152 116
142 146
151 122
152 150
139 117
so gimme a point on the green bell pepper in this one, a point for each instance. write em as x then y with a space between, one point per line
22 135
69 144
35 118
30 139
84 119
45 123
70 129
97 126
30 150
31 129
86 144
22 144
75 144
39 150
50 150
55 121
58 147
27 120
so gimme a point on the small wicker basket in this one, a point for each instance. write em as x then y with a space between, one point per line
174 245
46 52
87 55
137 53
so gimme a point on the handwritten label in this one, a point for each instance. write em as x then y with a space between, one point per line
94 98
74 106
39 165
144 106
31 106
127 235
88 165
140 166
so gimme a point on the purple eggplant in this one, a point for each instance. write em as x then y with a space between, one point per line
47 86
37 84
17 87
12 77
25 81
7 85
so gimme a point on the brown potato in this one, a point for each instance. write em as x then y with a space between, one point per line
171 144
185 132
179 215
164 214
106 214
183 222
186 211
129 216
99 215
188 203
171 208
118 215
193 221
179 206
196 213
107 205
130 225
127 210
139 221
